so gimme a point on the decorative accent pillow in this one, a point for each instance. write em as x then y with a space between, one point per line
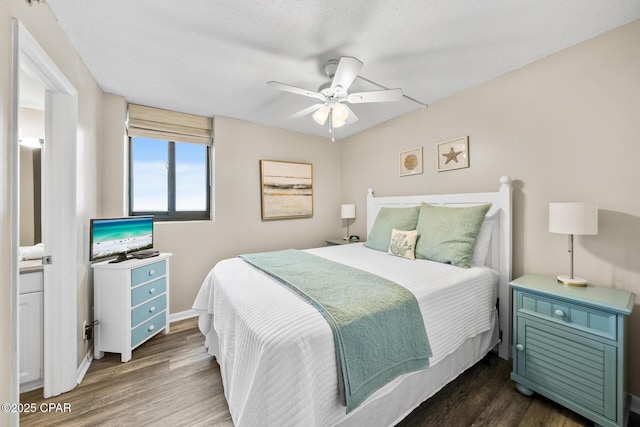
387 220
449 235
403 243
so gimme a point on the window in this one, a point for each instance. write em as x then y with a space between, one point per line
169 179
169 164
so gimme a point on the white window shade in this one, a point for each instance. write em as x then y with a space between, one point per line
168 125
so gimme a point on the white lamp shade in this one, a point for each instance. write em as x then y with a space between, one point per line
348 211
339 115
320 116
573 218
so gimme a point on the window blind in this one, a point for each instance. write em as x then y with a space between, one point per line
168 125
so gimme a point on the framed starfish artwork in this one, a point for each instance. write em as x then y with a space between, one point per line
453 154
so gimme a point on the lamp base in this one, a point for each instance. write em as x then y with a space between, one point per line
572 281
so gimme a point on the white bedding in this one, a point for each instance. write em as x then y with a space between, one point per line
276 352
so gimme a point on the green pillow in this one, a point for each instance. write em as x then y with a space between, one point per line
449 235
387 220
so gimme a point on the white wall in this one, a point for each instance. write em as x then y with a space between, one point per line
566 128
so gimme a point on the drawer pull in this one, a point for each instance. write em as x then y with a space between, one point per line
152 290
559 313
152 272
520 347
151 328
152 309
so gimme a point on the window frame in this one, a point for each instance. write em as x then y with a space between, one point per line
171 214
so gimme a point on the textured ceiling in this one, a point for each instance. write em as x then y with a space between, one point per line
215 58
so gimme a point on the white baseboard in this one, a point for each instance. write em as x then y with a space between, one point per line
635 404
31 386
188 314
84 366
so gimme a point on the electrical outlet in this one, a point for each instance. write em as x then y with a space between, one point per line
86 330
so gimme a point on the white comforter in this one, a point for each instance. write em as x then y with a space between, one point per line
276 352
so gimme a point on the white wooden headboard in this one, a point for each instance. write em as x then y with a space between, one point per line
499 256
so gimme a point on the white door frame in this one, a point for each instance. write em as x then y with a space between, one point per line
59 215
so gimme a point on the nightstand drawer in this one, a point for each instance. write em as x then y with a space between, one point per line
149 309
148 291
148 272
148 328
568 314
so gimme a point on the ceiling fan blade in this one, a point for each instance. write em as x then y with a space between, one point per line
375 96
348 69
305 111
351 118
294 89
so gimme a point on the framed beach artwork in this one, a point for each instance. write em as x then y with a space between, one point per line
287 189
453 154
411 162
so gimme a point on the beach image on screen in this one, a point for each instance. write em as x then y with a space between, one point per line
115 236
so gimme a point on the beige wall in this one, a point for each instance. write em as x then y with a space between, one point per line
113 154
566 128
40 22
238 228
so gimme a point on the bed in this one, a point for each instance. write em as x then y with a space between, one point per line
276 352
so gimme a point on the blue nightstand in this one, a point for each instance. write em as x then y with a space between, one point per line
569 345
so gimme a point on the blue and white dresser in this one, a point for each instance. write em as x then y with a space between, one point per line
569 345
131 303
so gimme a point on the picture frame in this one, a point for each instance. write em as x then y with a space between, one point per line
411 162
453 154
287 189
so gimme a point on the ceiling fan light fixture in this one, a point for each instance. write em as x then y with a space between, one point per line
338 123
321 114
339 113
334 94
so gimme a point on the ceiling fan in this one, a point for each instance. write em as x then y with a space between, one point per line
335 93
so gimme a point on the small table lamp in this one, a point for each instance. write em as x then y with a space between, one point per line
573 218
347 212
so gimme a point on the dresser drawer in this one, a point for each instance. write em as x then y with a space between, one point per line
147 292
568 314
148 272
148 328
148 309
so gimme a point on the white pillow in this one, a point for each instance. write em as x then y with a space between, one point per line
482 244
403 243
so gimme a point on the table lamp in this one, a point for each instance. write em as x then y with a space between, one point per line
573 218
347 212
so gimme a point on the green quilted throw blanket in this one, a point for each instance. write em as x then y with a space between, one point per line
377 326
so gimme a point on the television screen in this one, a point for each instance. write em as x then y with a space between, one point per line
113 237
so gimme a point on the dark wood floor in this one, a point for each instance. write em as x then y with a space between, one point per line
172 381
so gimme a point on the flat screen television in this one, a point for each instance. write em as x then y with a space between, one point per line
119 237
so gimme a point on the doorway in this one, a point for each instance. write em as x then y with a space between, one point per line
58 218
